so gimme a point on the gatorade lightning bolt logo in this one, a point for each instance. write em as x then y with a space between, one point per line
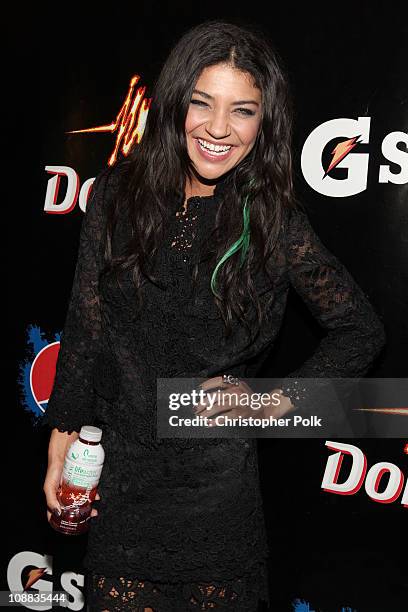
129 123
37 372
340 151
33 576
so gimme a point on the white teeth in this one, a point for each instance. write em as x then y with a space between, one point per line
217 149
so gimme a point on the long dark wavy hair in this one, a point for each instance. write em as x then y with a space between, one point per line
156 171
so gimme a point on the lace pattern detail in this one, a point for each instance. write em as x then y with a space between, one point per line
80 340
124 593
183 240
355 335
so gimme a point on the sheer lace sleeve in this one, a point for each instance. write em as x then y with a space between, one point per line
355 335
71 401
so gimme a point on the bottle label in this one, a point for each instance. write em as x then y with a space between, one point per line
79 482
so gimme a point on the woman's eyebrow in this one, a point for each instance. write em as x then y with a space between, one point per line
208 97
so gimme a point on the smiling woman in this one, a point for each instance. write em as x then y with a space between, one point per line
221 121
222 124
187 251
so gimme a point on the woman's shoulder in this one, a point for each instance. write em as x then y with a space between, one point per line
296 223
294 213
104 192
108 181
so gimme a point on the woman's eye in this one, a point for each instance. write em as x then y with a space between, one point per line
246 111
198 102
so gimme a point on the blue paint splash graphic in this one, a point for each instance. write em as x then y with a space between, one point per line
36 341
300 605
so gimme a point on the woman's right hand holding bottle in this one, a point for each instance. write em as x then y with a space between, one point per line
58 446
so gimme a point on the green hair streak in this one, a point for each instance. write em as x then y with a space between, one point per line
241 244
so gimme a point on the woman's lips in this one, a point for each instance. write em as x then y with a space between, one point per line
208 155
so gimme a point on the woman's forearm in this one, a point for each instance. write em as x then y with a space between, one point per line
59 443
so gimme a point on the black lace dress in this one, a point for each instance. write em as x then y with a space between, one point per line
180 523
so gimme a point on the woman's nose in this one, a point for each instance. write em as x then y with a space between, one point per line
218 126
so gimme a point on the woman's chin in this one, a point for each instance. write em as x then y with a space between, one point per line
209 174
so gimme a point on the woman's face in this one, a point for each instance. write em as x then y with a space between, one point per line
223 120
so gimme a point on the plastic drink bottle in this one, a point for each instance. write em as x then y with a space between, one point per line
80 477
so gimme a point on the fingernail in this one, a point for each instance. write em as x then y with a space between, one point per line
57 511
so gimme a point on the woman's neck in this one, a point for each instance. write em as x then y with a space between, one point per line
195 188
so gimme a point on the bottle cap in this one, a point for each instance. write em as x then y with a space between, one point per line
90 433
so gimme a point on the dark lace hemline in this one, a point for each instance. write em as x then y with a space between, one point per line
127 592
